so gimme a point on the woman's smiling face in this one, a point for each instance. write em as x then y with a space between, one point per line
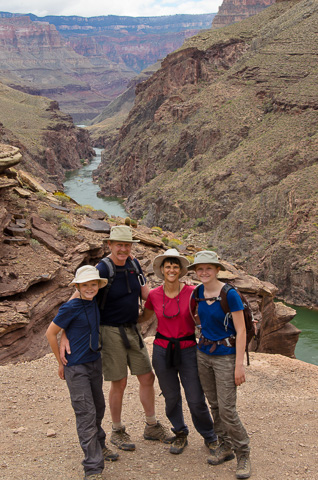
170 271
206 272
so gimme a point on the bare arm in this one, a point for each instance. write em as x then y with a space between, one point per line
145 292
51 335
145 315
239 324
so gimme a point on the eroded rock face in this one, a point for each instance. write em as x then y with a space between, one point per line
38 262
223 139
232 11
9 156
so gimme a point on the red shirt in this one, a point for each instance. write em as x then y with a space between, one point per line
181 325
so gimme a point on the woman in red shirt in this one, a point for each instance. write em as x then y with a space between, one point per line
174 350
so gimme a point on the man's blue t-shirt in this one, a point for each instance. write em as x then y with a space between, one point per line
212 321
80 320
122 304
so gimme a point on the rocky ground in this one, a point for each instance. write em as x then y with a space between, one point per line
278 405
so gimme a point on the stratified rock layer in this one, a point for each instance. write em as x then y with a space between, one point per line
223 138
232 11
42 244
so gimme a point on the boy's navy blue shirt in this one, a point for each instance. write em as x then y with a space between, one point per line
80 319
121 306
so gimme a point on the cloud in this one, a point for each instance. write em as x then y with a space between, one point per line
137 8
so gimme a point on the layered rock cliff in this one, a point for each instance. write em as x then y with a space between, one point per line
232 11
44 238
84 63
49 142
223 138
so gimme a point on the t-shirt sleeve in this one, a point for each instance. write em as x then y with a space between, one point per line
103 270
65 315
148 303
234 301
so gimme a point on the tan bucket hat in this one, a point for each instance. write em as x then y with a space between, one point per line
88 273
206 256
121 233
170 253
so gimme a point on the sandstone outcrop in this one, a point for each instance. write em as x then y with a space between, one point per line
9 156
43 243
222 138
232 11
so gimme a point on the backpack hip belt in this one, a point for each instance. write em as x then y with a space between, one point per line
227 342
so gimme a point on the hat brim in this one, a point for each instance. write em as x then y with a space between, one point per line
194 265
102 281
160 258
124 240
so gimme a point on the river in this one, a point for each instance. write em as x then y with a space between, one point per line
79 186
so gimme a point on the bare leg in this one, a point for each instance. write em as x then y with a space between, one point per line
147 393
116 394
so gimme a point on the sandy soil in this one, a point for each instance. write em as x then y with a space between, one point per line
278 405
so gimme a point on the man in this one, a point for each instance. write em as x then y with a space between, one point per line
122 345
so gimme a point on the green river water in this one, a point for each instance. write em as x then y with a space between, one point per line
80 187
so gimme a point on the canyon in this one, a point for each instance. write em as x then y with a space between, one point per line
223 138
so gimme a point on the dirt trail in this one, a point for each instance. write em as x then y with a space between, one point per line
278 405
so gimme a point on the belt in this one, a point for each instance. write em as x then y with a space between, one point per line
124 335
227 342
173 355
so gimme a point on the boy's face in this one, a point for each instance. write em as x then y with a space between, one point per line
89 289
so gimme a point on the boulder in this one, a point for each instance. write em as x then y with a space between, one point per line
9 156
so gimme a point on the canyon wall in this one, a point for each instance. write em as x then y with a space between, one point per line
232 11
223 139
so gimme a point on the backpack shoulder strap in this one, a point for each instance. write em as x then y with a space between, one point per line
112 273
223 294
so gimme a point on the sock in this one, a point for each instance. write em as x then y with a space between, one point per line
151 420
117 425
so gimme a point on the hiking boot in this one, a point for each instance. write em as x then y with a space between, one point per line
158 432
243 469
179 443
95 476
122 440
221 454
211 445
109 455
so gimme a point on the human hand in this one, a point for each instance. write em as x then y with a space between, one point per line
64 348
61 372
239 375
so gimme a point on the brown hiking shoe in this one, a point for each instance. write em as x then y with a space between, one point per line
243 469
158 432
95 476
221 454
109 455
122 440
211 445
179 443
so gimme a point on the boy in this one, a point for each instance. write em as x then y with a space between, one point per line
83 374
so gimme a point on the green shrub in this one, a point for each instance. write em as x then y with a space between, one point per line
48 214
165 240
34 244
66 230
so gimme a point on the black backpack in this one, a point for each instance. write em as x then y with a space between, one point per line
133 267
247 312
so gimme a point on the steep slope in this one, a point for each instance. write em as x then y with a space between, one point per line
47 138
224 138
35 58
232 11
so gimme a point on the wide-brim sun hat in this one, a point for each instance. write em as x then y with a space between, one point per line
170 253
88 273
206 256
121 233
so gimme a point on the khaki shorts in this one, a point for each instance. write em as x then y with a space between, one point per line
116 358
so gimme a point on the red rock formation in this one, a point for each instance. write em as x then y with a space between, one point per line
232 11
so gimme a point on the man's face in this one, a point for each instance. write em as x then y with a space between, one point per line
119 251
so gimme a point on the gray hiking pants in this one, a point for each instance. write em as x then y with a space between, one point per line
218 382
85 385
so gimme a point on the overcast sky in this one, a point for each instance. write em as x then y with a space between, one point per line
132 8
